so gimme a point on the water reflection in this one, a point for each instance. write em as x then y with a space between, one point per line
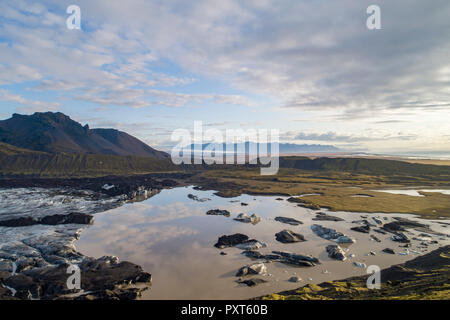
171 236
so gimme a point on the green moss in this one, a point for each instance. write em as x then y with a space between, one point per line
423 278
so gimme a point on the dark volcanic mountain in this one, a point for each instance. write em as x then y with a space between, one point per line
56 132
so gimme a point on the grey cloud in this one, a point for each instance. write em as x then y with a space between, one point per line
313 55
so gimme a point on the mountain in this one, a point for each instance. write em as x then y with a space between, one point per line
18 162
284 148
55 133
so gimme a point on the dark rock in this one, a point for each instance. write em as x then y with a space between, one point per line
257 268
223 253
308 205
331 234
375 238
24 285
6 294
231 240
218 212
335 252
252 282
196 198
296 259
400 237
98 276
290 221
377 220
244 204
379 231
294 200
75 218
252 254
242 217
251 245
388 250
288 236
321 216
363 229
401 224
18 222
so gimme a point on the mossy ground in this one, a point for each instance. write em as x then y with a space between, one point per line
338 190
424 278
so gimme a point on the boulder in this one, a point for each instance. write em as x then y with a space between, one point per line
251 245
331 234
253 219
377 220
401 224
380 231
296 259
388 250
196 198
75 218
252 282
295 200
336 252
252 254
359 264
103 278
231 240
363 229
218 212
345 239
290 221
400 237
257 268
375 238
295 279
321 216
288 236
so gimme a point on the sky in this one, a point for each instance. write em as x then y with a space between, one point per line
311 69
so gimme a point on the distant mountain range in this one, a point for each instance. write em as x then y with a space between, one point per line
284 148
53 145
57 133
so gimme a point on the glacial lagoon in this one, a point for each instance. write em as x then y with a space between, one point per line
172 238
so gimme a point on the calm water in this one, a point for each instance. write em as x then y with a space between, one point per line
415 192
172 238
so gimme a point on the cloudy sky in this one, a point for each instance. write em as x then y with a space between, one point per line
309 68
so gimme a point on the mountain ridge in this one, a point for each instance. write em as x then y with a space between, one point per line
58 133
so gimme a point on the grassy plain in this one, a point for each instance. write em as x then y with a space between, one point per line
338 191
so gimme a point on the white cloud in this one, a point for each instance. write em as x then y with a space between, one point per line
26 105
307 56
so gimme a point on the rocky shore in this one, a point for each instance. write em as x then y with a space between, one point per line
129 187
37 245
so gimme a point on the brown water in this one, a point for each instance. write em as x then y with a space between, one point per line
171 237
